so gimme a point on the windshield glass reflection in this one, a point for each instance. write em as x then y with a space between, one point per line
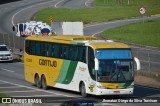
115 65
115 70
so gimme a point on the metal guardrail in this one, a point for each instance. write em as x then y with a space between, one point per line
11 41
149 58
18 52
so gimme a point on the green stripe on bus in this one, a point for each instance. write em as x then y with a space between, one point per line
70 73
78 43
125 84
63 71
128 84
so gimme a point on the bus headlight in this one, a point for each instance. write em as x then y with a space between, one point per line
101 87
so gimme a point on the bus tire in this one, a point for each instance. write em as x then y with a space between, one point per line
37 81
44 83
83 90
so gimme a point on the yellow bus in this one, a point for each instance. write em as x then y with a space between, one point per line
79 63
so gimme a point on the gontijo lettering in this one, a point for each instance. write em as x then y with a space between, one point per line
47 63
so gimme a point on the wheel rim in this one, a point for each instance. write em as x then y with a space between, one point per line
44 85
37 81
83 90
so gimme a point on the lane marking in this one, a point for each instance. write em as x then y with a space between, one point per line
58 3
86 3
20 4
36 96
135 47
2 82
27 8
7 70
97 33
20 62
147 87
19 91
150 61
11 87
106 23
6 8
37 89
108 104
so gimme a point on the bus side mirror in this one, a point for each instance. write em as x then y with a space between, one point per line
13 28
137 63
96 64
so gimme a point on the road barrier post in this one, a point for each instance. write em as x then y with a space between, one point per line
149 61
3 39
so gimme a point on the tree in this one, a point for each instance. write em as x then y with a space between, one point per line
128 2
118 1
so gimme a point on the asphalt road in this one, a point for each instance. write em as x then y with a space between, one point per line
12 83
12 74
23 11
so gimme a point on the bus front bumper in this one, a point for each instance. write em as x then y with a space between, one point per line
127 91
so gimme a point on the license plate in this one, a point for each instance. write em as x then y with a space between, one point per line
116 92
4 57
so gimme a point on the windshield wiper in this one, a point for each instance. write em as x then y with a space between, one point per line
120 71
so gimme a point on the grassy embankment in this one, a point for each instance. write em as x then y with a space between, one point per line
139 33
127 2
91 15
3 95
147 33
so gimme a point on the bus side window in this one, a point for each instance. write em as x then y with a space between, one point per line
70 52
60 51
38 48
91 63
33 47
44 50
84 55
27 46
49 49
81 55
57 51
53 50
75 53
65 52
41 49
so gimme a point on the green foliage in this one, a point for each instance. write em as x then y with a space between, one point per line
109 13
146 33
127 2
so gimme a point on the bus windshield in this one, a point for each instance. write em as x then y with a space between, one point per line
115 65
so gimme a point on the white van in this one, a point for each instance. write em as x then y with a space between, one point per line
5 53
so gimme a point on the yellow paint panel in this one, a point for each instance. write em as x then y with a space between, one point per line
36 64
110 85
61 39
109 45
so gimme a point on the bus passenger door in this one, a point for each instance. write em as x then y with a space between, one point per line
91 63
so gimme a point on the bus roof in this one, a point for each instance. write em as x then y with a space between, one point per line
101 45
79 40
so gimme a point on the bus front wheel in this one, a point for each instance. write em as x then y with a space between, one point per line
37 81
83 90
44 83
